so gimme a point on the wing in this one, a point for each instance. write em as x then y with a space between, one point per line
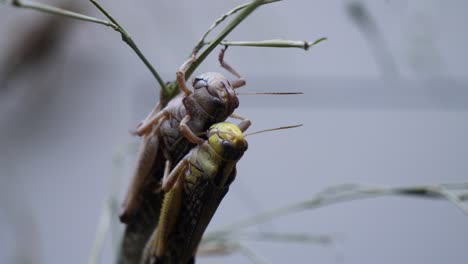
143 204
150 164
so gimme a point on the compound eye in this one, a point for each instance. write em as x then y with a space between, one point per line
227 146
199 83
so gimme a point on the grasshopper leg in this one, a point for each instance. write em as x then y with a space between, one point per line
153 112
157 244
170 179
187 132
148 123
167 171
244 124
180 75
237 83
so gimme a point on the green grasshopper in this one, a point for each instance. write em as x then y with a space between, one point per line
195 188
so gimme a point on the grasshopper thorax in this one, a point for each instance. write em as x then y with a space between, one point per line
227 140
215 95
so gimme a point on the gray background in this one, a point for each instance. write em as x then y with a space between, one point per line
385 102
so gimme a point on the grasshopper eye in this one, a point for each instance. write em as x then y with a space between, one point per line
227 146
199 83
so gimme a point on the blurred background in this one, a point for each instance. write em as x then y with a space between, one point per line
386 102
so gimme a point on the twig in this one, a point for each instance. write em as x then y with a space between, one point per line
112 23
455 199
274 43
286 237
128 39
226 30
219 20
455 186
225 247
463 197
172 89
252 255
345 193
221 242
219 246
59 11
103 227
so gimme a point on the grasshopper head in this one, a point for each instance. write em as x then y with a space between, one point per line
215 94
227 140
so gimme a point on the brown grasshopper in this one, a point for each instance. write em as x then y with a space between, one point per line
170 133
195 188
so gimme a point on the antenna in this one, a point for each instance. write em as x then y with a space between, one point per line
272 129
269 93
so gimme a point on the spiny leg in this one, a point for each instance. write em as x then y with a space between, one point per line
245 122
237 83
157 244
153 112
167 170
170 179
187 132
147 125
180 75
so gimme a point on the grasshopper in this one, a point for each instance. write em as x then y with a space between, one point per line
195 188
170 133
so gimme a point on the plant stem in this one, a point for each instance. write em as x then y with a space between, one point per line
219 20
128 39
233 24
59 11
172 88
112 23
253 256
103 227
274 43
345 193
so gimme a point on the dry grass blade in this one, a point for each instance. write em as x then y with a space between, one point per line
349 192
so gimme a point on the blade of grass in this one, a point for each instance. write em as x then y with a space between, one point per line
59 11
346 193
172 88
128 39
274 43
219 20
233 24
